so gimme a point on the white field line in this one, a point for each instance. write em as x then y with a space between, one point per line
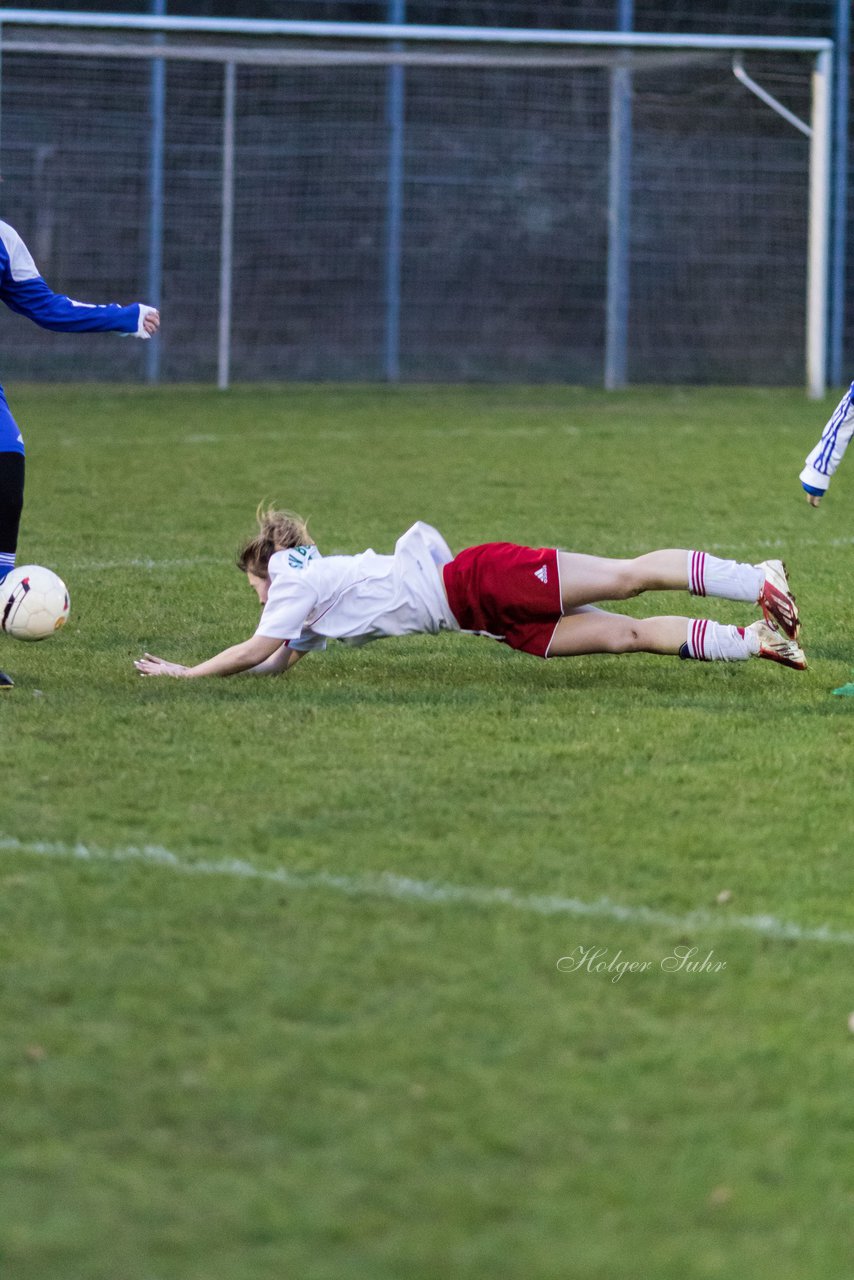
190 562
396 888
141 562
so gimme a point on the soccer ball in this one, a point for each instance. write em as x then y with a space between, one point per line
33 603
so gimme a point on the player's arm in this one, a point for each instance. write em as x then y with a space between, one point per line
247 656
282 660
822 462
25 291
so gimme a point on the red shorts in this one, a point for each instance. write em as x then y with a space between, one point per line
510 593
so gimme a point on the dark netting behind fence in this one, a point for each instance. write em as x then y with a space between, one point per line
501 210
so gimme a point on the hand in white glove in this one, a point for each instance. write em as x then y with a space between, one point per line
149 321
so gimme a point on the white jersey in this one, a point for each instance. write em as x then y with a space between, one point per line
359 598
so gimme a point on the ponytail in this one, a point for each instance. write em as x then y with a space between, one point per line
277 530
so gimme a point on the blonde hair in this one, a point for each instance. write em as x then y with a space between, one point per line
277 530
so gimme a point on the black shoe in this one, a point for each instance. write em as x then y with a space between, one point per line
6 682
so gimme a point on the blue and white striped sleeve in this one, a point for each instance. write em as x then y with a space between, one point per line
25 291
828 453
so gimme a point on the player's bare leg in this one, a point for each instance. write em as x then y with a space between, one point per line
591 630
591 579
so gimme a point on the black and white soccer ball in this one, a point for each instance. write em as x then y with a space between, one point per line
34 603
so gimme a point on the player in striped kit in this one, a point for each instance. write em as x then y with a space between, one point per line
828 453
24 290
541 601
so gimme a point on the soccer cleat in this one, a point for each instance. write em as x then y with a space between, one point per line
776 600
777 647
6 682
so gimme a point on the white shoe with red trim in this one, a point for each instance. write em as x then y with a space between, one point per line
776 600
777 647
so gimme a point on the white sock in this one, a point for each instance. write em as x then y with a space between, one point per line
709 576
717 642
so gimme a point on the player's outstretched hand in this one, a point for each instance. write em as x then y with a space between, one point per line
148 665
149 322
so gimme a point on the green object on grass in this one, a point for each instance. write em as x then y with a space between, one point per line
845 690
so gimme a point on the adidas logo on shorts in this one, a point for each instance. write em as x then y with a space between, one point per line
542 573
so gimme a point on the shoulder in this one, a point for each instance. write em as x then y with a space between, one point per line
293 563
290 576
292 560
8 234
16 253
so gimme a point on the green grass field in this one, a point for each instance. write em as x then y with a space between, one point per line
264 1013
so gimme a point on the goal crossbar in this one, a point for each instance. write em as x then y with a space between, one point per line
402 31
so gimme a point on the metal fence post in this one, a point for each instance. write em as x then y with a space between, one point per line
226 245
619 214
819 226
155 194
395 109
842 52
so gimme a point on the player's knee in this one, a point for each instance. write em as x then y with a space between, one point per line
630 579
633 637
627 637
